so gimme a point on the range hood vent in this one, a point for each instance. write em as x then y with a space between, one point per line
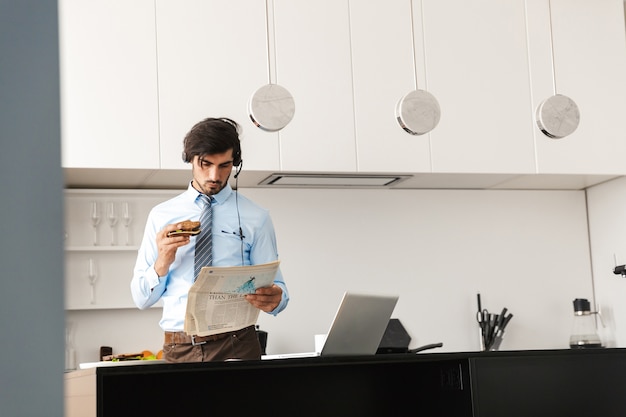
332 180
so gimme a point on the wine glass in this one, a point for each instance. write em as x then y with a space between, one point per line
112 218
95 220
92 280
127 219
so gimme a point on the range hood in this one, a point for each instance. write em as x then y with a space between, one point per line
332 180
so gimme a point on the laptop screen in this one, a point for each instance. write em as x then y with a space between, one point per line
357 328
359 324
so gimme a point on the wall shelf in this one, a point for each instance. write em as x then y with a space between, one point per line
97 277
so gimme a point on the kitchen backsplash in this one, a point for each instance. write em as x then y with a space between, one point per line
435 248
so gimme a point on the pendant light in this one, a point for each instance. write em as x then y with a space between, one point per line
272 106
557 116
417 112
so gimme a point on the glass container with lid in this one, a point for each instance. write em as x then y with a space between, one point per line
584 334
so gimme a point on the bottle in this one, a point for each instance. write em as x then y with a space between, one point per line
584 335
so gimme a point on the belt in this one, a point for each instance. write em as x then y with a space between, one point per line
182 338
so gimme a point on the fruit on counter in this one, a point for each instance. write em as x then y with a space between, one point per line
143 355
147 355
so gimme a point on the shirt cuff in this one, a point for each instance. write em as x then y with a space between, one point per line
152 278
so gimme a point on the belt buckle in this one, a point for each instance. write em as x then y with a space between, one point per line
194 343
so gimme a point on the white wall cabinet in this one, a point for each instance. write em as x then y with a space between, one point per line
105 251
108 84
589 66
477 67
212 56
386 66
346 63
313 63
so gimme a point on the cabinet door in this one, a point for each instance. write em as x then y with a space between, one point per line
477 67
212 56
313 62
384 71
589 67
108 84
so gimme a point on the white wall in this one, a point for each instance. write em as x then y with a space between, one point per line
524 250
607 224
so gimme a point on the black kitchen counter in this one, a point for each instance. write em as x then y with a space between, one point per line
479 384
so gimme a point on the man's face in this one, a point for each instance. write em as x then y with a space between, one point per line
211 172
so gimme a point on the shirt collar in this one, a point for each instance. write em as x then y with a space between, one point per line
192 194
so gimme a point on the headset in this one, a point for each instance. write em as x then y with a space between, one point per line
237 161
235 144
238 171
238 164
241 236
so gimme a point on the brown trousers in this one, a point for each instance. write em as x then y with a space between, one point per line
241 344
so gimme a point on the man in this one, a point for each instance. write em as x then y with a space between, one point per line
242 234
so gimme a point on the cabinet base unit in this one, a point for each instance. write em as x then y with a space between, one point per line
475 384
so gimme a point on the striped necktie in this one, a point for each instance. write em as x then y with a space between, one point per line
204 241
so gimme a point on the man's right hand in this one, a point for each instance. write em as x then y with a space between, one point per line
167 247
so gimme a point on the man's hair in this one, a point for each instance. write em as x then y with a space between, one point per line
211 136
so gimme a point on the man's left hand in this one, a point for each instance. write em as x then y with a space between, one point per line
266 299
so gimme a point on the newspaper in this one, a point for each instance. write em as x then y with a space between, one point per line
216 302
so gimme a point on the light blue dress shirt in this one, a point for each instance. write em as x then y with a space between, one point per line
230 210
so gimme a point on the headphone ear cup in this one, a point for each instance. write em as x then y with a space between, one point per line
238 170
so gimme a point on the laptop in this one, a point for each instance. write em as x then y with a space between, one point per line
357 328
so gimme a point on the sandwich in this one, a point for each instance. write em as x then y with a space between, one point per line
188 228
